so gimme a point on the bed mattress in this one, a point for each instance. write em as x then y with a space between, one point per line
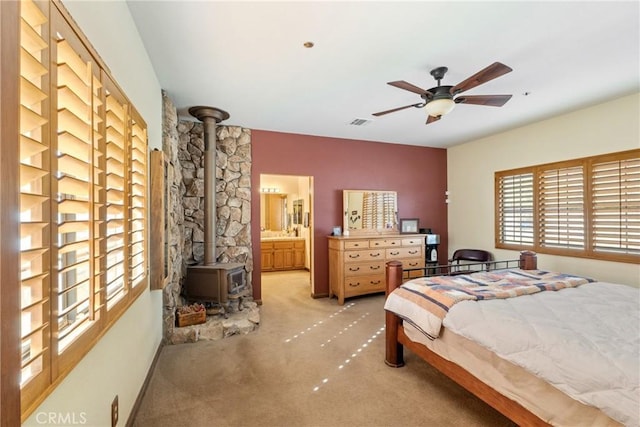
542 399
584 342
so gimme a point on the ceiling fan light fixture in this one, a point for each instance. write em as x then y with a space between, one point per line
440 107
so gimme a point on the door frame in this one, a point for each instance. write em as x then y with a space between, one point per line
309 249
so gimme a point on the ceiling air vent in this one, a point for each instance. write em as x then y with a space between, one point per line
360 122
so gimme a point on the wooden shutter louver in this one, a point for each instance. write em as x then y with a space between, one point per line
35 199
99 199
138 200
561 207
74 186
515 209
616 206
117 120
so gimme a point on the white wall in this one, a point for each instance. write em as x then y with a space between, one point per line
605 128
118 364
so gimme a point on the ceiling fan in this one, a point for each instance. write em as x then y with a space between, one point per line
439 100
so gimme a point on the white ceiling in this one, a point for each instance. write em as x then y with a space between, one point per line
248 58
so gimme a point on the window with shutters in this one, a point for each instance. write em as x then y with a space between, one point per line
83 186
587 207
561 207
515 207
615 205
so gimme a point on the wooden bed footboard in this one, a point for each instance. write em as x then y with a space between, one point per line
396 340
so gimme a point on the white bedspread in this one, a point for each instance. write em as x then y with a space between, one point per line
585 341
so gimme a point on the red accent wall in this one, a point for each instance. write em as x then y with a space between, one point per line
417 174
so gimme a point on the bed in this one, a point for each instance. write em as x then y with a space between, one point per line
564 352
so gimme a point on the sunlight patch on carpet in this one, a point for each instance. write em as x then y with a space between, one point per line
319 322
344 330
348 360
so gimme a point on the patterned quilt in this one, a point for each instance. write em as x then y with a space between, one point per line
425 301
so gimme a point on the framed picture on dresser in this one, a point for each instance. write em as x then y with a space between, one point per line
408 225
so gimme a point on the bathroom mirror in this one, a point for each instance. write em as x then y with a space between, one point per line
370 211
274 214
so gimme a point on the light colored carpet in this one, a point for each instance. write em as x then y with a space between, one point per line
311 363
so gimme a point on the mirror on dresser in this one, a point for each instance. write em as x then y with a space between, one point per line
370 212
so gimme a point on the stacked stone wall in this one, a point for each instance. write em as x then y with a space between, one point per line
183 145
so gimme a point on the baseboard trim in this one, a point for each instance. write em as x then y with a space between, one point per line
143 389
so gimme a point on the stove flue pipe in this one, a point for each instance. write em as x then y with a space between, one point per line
209 116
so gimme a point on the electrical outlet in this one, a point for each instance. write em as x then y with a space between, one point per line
114 412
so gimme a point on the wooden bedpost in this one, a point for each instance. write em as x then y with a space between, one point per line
394 351
528 260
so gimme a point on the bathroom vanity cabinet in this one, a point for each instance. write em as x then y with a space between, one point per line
282 254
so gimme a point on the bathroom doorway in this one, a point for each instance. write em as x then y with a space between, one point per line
286 230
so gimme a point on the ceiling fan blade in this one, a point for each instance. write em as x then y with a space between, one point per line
493 71
490 100
432 119
408 86
381 113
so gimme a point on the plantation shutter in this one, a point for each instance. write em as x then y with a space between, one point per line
75 185
35 199
83 207
116 203
561 207
615 205
515 209
99 199
138 207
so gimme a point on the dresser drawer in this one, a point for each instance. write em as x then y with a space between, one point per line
368 255
413 241
412 263
385 243
409 252
285 244
363 268
363 284
356 244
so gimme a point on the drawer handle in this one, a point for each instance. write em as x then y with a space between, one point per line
354 269
377 267
413 264
356 244
375 255
413 252
354 256
395 253
393 243
376 244
376 282
354 285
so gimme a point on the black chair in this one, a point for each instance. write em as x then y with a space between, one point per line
472 256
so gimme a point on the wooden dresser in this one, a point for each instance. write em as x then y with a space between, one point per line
357 263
